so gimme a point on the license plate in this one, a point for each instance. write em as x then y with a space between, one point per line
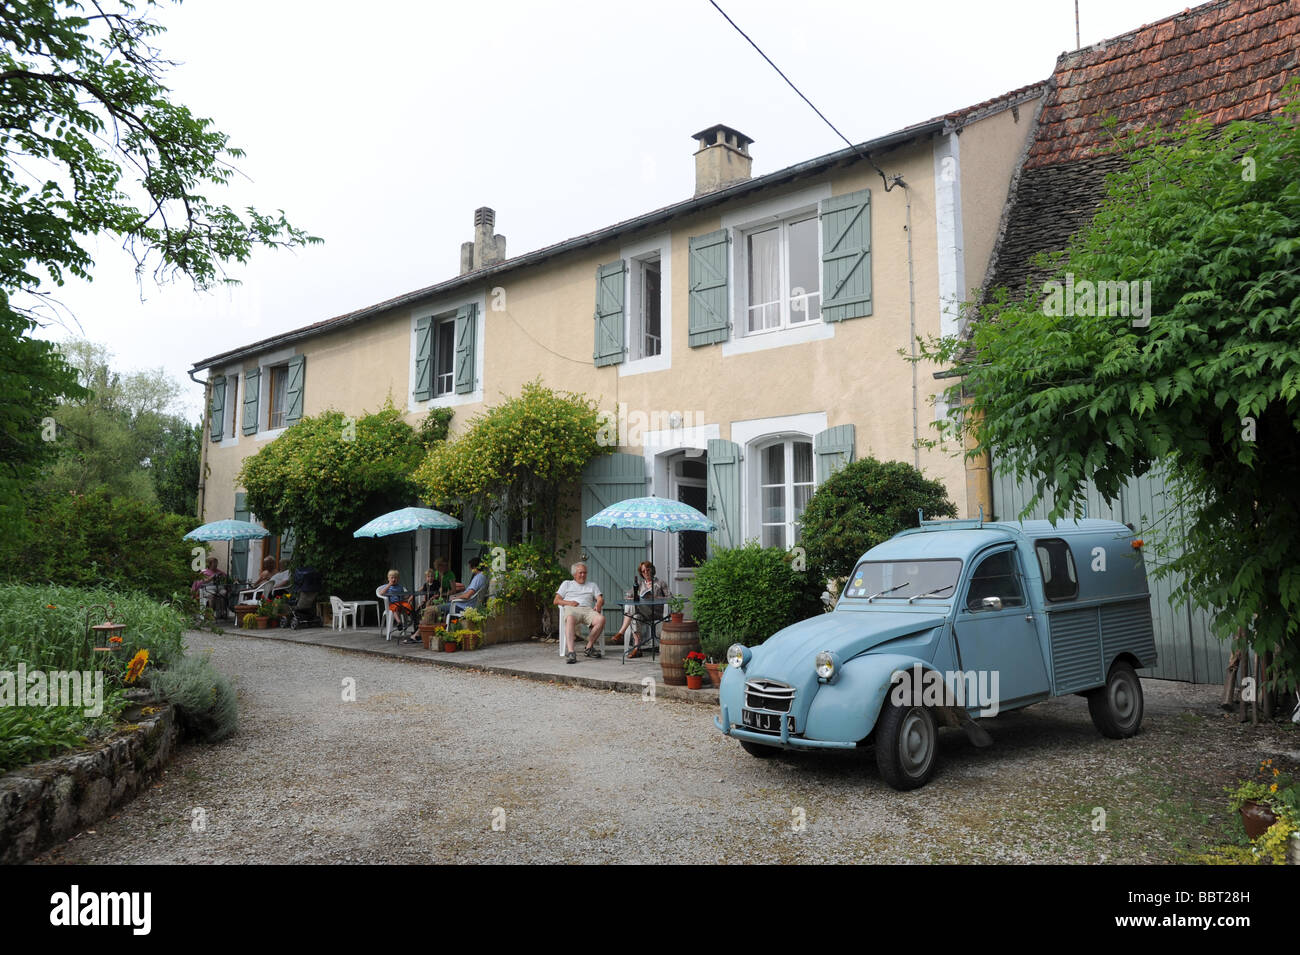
767 722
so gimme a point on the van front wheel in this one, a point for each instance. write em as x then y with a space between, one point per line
906 745
1116 708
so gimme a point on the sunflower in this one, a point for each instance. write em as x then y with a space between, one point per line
136 666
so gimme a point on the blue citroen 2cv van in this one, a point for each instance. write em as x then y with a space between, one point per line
945 624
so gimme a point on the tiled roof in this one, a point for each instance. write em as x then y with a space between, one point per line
1225 60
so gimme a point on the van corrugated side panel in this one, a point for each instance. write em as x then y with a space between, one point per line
1076 650
1184 639
1126 628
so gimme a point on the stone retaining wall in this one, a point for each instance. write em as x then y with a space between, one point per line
46 803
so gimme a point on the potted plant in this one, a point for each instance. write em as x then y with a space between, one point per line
450 641
695 671
283 607
1270 810
430 624
265 611
471 633
676 607
249 621
714 647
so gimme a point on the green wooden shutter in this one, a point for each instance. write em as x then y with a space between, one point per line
612 554
846 256
218 411
611 291
239 549
466 324
723 483
293 389
251 389
424 359
832 449
710 257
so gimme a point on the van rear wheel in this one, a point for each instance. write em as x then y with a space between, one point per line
906 745
1116 708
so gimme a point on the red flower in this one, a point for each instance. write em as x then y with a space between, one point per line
694 655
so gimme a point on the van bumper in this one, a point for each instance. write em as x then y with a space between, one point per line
784 741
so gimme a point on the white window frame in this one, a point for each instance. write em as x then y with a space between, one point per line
756 483
743 222
230 437
264 366
757 433
786 309
655 248
265 410
442 309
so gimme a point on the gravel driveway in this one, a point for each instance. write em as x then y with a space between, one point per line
433 764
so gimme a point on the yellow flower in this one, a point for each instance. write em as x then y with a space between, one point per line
136 667
1273 788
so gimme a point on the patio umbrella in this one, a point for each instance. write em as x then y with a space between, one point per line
651 514
227 530
406 520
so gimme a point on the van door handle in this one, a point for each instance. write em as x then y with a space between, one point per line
1029 617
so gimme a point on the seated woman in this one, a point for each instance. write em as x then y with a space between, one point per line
268 571
216 586
648 587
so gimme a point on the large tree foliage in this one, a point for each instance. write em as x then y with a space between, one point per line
325 477
118 432
517 459
1210 388
861 505
91 143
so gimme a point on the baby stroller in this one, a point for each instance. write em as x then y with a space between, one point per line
307 584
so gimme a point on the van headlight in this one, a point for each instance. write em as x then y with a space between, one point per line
827 665
738 655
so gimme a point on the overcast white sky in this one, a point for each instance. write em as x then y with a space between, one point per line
380 127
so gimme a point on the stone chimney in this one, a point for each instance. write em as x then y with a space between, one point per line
722 159
487 247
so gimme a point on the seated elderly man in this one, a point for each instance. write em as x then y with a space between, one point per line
587 600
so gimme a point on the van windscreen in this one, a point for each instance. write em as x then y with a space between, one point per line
903 579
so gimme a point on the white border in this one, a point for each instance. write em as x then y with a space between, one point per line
269 360
749 433
661 243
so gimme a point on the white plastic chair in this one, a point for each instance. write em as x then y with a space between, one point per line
341 610
255 595
577 633
388 618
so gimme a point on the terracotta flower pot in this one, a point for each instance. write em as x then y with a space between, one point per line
675 617
1257 818
715 673
694 682
448 647
263 623
426 636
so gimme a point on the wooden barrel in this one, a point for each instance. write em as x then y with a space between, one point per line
675 641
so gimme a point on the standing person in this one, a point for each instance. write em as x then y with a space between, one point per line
588 601
648 587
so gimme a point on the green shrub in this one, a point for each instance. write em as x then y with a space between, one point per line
861 505
751 592
29 734
98 540
204 698
714 643
530 569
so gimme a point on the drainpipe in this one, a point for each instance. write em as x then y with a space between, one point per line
203 444
911 312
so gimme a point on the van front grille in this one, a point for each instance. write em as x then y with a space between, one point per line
769 695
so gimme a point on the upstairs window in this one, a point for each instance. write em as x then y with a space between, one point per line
277 407
232 405
784 275
444 349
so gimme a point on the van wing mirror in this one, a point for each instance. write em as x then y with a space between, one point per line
991 603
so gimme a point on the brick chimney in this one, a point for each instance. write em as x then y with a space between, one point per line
722 160
487 247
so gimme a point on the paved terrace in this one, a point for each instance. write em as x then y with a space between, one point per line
534 660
